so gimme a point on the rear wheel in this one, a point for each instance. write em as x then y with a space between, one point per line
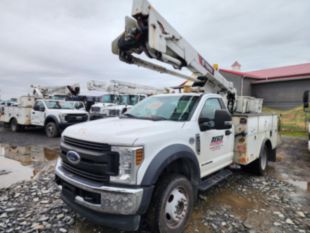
172 205
15 127
51 129
259 166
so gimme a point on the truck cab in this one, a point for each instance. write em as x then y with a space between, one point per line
99 109
56 115
112 105
158 155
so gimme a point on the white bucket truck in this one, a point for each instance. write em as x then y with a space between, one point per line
120 97
152 161
41 110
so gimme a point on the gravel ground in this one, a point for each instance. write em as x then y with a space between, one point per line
242 203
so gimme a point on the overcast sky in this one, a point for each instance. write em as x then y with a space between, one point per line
65 41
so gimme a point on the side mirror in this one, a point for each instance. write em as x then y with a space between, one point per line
222 120
42 109
124 110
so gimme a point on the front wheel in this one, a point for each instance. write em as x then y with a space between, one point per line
51 130
172 205
15 127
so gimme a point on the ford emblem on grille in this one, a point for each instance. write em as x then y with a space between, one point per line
73 157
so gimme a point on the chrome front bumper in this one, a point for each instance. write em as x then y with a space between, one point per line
113 200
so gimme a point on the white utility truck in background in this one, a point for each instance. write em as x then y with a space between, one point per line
151 162
119 97
307 114
45 108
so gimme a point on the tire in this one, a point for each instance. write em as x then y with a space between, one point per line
15 127
260 165
171 205
51 130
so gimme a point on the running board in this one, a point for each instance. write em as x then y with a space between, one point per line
214 179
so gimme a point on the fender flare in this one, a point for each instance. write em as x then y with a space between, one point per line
165 157
53 118
272 153
12 118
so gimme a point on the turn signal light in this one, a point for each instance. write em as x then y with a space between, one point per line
139 156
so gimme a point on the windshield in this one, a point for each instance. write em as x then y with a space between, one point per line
54 104
108 99
128 99
175 108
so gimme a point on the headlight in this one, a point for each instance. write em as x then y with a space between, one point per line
130 160
62 117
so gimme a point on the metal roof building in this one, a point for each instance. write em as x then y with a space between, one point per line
280 87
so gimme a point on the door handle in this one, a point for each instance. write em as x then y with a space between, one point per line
228 132
33 112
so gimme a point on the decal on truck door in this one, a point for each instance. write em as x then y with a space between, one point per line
216 142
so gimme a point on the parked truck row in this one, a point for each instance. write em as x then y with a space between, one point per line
55 108
46 108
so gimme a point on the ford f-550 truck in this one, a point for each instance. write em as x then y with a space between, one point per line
151 162
157 157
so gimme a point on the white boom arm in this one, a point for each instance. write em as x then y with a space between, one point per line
48 91
114 86
150 33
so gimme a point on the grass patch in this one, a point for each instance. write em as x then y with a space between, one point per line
292 121
294 134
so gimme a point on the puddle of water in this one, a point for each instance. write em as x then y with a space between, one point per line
292 165
279 172
23 163
304 185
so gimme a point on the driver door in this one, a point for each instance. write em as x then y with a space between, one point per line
216 145
38 114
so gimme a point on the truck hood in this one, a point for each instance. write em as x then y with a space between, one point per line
120 131
103 104
67 111
119 107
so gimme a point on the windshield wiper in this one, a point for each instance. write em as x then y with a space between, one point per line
158 118
128 115
152 118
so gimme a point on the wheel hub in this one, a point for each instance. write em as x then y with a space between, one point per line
50 130
176 207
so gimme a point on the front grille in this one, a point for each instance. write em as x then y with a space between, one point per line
75 118
87 145
114 112
95 109
85 174
97 161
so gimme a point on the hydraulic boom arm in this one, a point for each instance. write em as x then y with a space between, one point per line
48 91
149 33
115 86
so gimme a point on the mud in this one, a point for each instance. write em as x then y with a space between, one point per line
19 163
242 203
293 163
29 136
